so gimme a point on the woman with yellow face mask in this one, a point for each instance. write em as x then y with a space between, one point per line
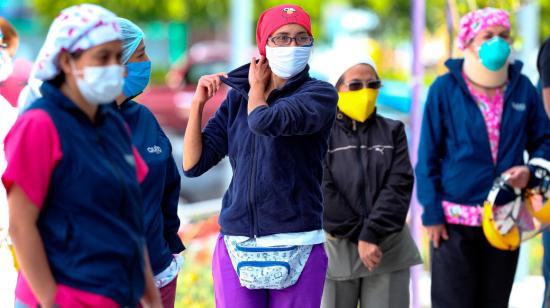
367 185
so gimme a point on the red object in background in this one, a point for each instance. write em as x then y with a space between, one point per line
171 107
12 86
200 229
171 104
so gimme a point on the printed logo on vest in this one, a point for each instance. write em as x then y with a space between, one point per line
519 106
154 149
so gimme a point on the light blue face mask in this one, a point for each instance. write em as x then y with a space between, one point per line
494 53
138 77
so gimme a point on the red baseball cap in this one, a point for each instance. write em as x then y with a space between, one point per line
276 17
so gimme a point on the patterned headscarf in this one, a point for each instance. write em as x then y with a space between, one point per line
76 28
476 21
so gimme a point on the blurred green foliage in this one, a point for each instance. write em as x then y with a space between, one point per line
512 6
545 17
394 15
313 8
158 75
193 11
195 288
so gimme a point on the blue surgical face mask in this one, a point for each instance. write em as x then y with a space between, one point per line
138 77
494 53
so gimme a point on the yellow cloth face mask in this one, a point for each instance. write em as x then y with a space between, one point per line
358 105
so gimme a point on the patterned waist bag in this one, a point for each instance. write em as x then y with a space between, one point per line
276 267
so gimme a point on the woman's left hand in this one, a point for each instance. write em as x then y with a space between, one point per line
259 73
518 176
370 254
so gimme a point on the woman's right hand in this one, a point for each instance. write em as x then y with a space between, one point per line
370 254
259 73
437 233
207 86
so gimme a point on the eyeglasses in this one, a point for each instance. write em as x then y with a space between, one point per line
285 40
356 85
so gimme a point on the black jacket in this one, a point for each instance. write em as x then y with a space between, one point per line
367 180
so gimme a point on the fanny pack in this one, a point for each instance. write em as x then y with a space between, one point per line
276 267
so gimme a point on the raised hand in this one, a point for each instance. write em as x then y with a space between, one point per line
208 86
259 73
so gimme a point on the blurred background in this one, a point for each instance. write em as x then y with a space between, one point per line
186 39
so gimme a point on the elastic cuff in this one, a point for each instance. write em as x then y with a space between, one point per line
175 244
533 181
433 219
193 172
368 236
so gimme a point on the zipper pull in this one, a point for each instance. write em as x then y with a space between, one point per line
354 125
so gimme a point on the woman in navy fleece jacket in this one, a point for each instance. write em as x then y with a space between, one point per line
274 126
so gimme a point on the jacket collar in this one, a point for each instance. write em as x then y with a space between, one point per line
238 80
126 104
54 95
351 125
514 74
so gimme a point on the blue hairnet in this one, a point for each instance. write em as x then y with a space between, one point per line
131 37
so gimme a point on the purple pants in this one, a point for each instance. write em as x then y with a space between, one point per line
306 293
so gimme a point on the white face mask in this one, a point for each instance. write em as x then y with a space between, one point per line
287 62
99 84
6 65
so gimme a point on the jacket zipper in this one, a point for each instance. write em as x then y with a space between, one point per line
253 227
362 167
363 173
116 171
251 203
